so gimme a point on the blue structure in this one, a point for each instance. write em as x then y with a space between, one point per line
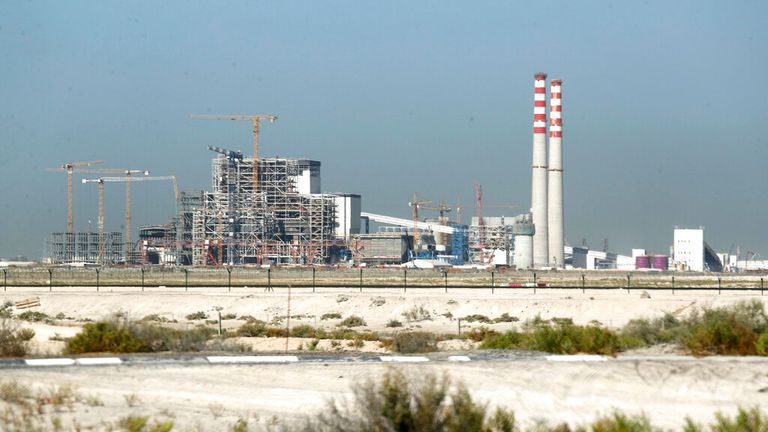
460 244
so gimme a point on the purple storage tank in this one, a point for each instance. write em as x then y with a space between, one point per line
642 262
660 262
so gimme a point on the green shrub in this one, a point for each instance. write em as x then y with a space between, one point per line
400 403
619 422
505 317
558 337
477 318
480 334
761 346
34 316
6 310
728 330
304 331
106 337
506 340
199 315
330 315
746 420
394 323
252 328
352 321
414 342
14 342
120 336
275 332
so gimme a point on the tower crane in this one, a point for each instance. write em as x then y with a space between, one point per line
415 204
70 168
126 179
255 120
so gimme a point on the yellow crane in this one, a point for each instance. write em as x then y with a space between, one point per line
255 120
127 179
415 204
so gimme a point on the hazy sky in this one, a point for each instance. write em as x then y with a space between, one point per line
665 115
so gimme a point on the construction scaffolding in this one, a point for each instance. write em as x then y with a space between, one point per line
495 233
285 222
85 248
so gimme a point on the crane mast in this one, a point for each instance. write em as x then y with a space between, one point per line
255 120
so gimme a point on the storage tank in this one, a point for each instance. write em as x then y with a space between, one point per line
660 262
642 262
523 244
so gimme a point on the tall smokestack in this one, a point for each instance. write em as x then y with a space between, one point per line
539 176
555 180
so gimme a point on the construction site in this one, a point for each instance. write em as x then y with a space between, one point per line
273 211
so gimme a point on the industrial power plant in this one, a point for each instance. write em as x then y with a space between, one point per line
272 211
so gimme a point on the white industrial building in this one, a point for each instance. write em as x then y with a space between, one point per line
691 253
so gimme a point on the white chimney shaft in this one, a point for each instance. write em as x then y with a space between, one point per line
555 180
539 175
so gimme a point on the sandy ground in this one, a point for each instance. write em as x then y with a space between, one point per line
612 308
214 397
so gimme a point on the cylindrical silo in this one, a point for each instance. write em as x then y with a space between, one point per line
523 233
541 256
555 178
642 262
660 262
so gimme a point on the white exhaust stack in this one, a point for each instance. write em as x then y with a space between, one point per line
541 256
555 180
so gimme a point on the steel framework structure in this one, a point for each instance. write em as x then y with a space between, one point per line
277 224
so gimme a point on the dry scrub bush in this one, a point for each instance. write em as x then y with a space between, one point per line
352 321
123 336
412 342
559 336
400 403
14 342
417 314
738 329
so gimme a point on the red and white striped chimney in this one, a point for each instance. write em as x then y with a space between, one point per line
539 175
555 180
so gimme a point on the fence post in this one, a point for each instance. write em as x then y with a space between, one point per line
269 280
405 279
142 279
50 280
761 286
361 279
229 280
459 325
673 285
5 280
97 279
186 280
583 290
493 281
445 280
719 285
313 279
628 283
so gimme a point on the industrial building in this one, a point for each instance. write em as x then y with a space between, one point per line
87 247
692 253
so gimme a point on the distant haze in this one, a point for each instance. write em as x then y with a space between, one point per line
664 107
